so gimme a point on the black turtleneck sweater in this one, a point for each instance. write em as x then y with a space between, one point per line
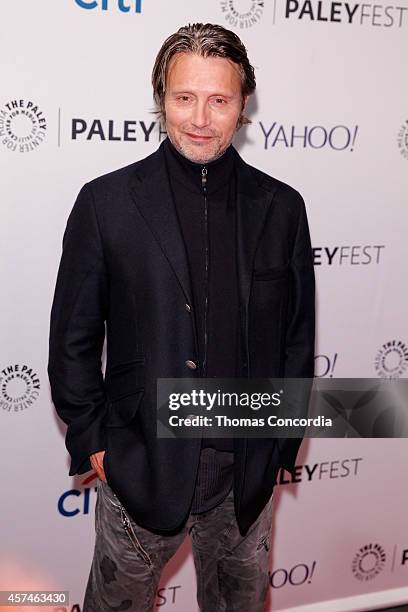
207 221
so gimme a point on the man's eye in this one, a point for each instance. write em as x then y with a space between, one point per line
220 101
183 98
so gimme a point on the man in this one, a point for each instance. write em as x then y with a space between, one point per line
200 265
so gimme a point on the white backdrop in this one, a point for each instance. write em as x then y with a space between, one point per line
330 117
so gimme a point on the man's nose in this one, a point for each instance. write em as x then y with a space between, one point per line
200 117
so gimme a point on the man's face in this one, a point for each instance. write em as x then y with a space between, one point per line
203 102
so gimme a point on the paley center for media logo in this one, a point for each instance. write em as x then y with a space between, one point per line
371 559
22 125
242 13
391 360
402 139
372 14
368 562
19 387
123 6
336 137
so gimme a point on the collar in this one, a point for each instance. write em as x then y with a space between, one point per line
189 173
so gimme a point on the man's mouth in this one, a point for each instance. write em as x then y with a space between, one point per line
198 137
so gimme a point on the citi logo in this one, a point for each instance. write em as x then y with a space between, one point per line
123 6
77 501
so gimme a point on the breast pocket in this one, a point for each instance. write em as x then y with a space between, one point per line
267 312
124 385
272 273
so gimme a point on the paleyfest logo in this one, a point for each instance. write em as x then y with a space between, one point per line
19 387
166 596
242 13
348 254
350 13
22 125
392 359
368 562
403 139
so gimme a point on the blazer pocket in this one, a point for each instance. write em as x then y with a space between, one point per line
274 273
124 384
122 411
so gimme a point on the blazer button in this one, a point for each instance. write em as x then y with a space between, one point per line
190 364
188 307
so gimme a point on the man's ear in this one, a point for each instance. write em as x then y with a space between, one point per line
241 119
244 103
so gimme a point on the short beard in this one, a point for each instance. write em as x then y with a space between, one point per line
193 155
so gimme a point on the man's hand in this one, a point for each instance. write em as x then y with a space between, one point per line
97 464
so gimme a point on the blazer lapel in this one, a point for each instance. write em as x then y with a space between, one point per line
152 195
253 203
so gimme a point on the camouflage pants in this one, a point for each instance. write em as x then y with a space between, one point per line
231 569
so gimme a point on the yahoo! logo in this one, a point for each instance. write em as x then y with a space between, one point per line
338 137
324 365
124 6
77 501
299 574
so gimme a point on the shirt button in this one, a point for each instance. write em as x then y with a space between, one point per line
190 364
188 307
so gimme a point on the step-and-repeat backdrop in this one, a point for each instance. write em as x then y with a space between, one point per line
330 117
